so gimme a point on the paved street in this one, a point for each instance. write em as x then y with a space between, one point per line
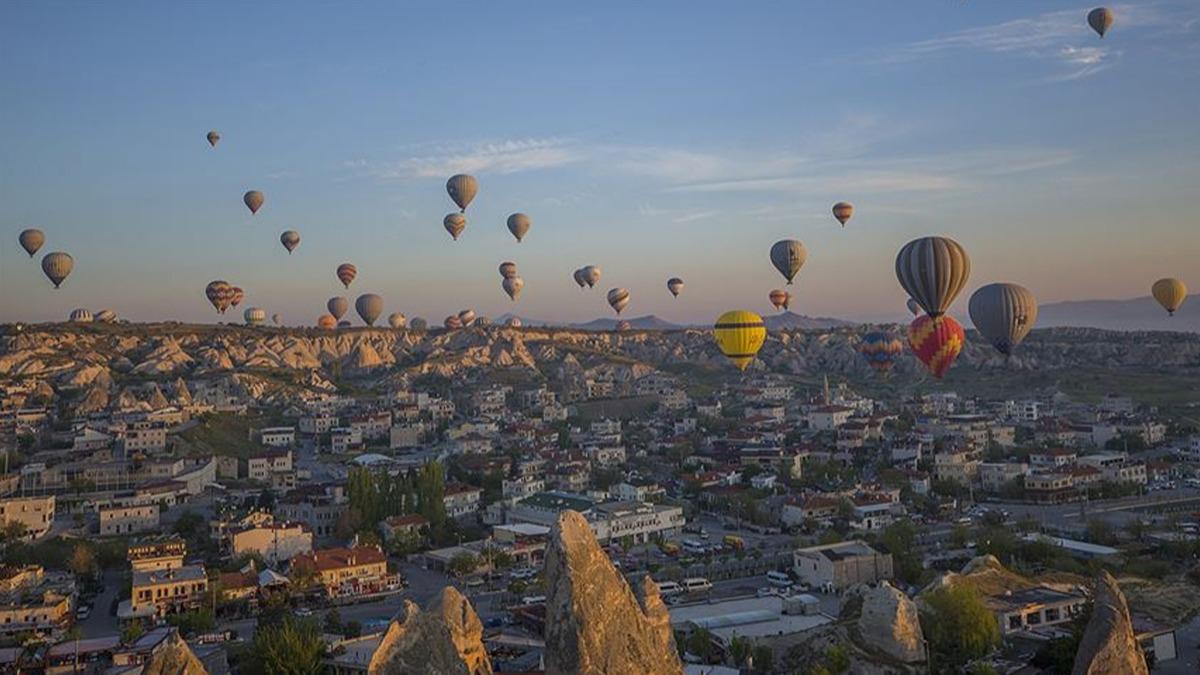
100 622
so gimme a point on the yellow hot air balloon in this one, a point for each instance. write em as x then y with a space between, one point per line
740 334
1170 293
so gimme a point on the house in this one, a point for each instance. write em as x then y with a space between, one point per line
636 521
157 593
34 601
345 439
407 527
461 501
161 553
841 565
262 467
142 438
34 514
1036 607
318 423
135 518
1050 487
1055 458
829 417
275 541
993 476
275 437
348 572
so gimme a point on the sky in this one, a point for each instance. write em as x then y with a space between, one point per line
651 139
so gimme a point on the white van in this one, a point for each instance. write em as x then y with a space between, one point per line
693 546
779 579
533 600
697 585
668 588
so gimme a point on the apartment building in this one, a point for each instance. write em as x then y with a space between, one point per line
35 514
132 519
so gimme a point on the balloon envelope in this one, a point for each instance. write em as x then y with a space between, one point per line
508 270
513 286
213 137
1101 19
218 293
397 320
254 316
913 307
254 200
513 322
1004 314
618 298
455 223
31 240
452 322
518 224
81 315
327 322
591 274
369 306
578 276
843 211
106 316
880 349
290 240
740 335
466 317
933 270
276 319
675 284
338 306
346 273
236 296
936 341
57 266
462 189
788 256
779 298
1170 293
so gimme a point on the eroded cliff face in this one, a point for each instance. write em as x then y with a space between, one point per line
594 623
1109 646
890 623
175 658
446 638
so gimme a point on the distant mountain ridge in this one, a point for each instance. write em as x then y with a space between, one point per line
782 321
1125 315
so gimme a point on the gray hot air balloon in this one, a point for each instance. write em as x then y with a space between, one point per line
369 306
213 137
1101 19
578 276
788 256
254 316
343 324
508 270
418 324
338 306
591 274
466 317
913 307
462 189
276 319
81 315
106 316
618 298
933 270
513 286
1004 314
254 200
397 320
454 223
57 266
518 224
31 240
290 240
675 284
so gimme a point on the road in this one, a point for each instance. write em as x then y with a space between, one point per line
100 623
1187 644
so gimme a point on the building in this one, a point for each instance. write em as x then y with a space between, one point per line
635 521
33 601
460 500
841 565
525 542
275 437
158 593
157 554
132 519
994 476
345 439
349 572
34 514
318 423
317 507
264 466
1034 608
829 417
275 542
1050 487
1055 458
143 438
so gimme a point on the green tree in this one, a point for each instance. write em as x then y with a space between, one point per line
900 540
958 626
291 647
740 649
83 561
763 658
333 622
462 564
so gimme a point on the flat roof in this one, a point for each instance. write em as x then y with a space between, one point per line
528 529
746 617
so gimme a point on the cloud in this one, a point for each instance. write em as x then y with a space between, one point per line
503 157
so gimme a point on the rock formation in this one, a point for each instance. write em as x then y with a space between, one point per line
890 623
594 624
174 658
1108 646
446 638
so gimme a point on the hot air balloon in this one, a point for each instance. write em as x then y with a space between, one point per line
254 200
218 293
31 240
780 298
254 316
843 211
462 189
936 341
788 256
452 322
454 223
276 319
1101 19
675 284
81 315
913 306
518 224
618 298
591 274
418 324
369 306
56 266
508 269
466 317
880 349
343 324
213 137
1170 293
237 296
290 240
397 320
513 286
346 273
513 322
623 326
1004 314
578 275
106 316
740 334
338 306
933 270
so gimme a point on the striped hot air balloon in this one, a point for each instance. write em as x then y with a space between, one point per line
518 224
788 256
218 293
454 223
618 298
843 211
254 316
466 317
397 320
57 266
369 306
290 240
346 273
934 271
936 341
81 315
591 274
237 296
1004 314
513 322
880 349
740 335
462 189
106 316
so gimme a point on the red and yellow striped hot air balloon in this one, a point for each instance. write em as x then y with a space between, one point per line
937 341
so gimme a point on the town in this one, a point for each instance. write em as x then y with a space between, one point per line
791 523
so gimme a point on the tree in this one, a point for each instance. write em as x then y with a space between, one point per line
700 643
333 622
292 647
740 649
189 524
83 561
1100 532
900 539
762 658
958 626
462 564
